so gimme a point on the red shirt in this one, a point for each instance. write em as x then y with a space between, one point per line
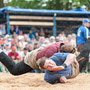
49 50
13 56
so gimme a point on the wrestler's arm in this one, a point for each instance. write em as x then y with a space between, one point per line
69 60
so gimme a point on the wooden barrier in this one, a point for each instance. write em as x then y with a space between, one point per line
45 18
31 23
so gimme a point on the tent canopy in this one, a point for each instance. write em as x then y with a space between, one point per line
10 9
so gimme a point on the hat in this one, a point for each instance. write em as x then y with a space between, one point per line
52 37
85 21
13 48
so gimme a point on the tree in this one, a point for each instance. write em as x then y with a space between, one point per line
1 3
50 4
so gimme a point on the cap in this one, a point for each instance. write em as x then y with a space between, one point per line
13 48
85 21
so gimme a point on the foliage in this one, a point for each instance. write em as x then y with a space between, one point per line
1 3
50 4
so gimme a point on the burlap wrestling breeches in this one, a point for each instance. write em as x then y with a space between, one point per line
75 70
30 59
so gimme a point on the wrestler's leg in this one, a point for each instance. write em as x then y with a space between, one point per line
83 57
15 69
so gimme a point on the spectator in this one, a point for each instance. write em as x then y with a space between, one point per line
52 39
7 48
26 38
22 42
1 40
41 32
12 32
34 30
31 47
36 45
2 30
57 39
31 35
46 33
82 34
17 30
41 40
24 53
74 39
71 39
13 54
27 46
37 36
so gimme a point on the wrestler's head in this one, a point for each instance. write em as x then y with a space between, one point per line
46 63
68 48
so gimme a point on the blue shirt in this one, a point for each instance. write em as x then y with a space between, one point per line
82 34
59 59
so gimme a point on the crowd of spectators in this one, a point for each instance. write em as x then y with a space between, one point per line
18 44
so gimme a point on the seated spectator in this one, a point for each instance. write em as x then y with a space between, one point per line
31 35
31 47
41 40
12 32
2 30
1 40
37 36
7 48
52 39
26 38
41 32
57 39
24 53
34 30
17 30
22 42
2 47
14 55
71 40
46 33
3 68
36 45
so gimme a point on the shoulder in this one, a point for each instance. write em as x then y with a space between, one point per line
61 55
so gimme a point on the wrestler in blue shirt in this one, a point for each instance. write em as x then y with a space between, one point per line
53 77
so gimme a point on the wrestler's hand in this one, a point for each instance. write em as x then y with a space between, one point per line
55 68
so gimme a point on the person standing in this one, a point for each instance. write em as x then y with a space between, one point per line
82 34
82 37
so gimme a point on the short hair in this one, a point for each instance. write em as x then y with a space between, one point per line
68 48
41 62
61 44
